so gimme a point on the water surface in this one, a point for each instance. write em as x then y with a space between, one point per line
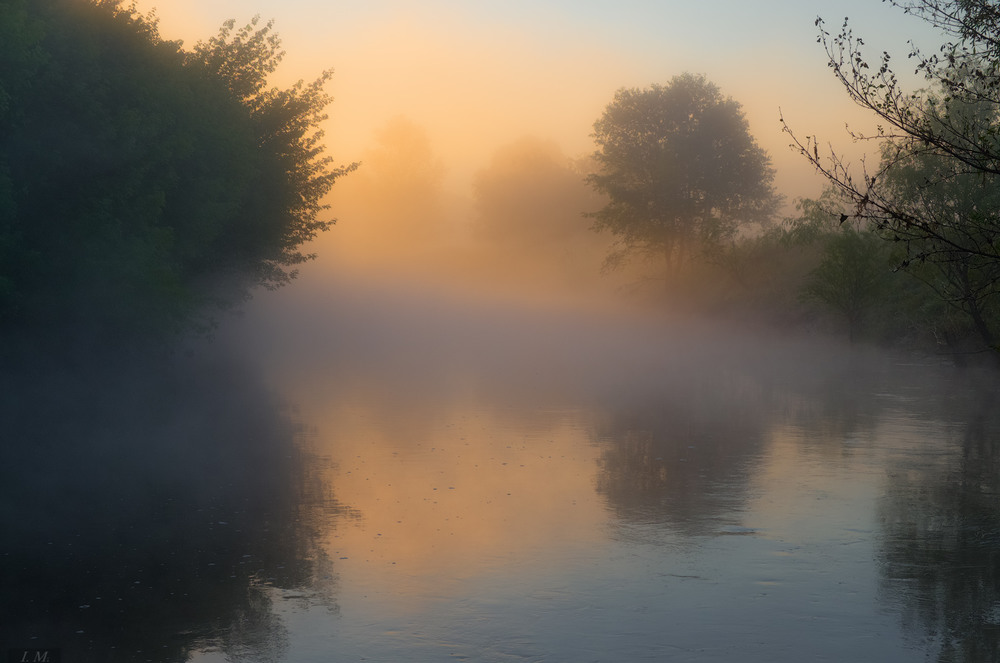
402 476
530 484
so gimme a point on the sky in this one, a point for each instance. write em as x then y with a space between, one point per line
479 75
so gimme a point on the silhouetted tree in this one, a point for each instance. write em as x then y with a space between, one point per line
139 182
934 188
680 169
962 208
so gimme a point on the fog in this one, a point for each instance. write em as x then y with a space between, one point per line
519 230
525 469
473 124
412 335
457 434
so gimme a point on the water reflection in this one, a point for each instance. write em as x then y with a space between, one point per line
521 485
684 459
448 494
151 509
940 546
573 485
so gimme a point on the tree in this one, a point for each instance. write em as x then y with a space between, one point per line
962 209
398 201
530 198
527 204
680 169
284 202
933 191
140 183
851 276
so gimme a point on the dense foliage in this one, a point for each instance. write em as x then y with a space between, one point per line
141 184
680 169
934 192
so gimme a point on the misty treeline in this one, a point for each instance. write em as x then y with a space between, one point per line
904 253
143 185
519 229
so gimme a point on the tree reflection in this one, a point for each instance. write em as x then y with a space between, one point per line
940 548
683 454
153 509
683 460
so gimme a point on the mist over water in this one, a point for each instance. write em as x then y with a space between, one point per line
454 436
556 476
440 442
391 465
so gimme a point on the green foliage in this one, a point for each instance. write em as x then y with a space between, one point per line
963 209
286 198
851 276
818 270
680 170
140 183
843 273
934 194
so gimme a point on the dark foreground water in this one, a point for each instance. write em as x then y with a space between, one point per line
396 477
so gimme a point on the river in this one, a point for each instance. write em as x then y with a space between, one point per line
388 474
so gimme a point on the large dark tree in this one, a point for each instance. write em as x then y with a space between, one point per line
934 189
961 213
680 169
140 183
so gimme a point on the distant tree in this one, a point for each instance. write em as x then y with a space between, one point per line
527 204
140 183
399 198
680 169
530 197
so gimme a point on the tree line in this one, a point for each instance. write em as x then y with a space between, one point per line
907 252
144 186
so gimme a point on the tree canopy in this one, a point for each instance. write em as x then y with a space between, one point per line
680 169
934 189
950 247
139 182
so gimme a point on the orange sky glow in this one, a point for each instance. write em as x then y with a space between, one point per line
469 80
478 78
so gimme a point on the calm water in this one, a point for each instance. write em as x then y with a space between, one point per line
400 477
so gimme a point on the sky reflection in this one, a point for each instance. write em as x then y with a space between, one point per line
447 496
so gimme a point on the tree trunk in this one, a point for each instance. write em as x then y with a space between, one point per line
982 327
